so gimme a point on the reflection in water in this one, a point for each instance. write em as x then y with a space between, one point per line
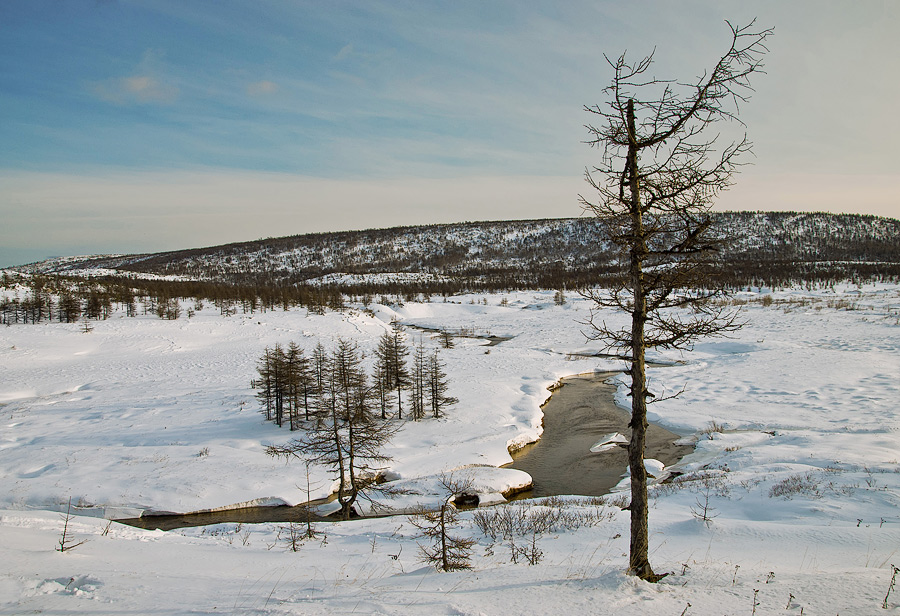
576 416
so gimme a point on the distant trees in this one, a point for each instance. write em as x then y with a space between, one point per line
166 307
68 308
95 297
40 305
780 249
98 304
658 176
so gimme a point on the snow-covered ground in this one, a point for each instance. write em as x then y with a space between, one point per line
797 466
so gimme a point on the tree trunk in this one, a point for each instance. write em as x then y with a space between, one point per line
445 565
639 561
347 506
342 473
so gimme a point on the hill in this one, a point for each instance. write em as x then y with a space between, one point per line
775 247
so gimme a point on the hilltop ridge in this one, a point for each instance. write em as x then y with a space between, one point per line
522 253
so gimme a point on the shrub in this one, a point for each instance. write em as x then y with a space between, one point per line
802 483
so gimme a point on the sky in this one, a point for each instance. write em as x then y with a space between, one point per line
147 125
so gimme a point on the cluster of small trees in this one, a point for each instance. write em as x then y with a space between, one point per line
343 412
344 433
285 384
294 387
46 304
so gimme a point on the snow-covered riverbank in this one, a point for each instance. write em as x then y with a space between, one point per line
803 481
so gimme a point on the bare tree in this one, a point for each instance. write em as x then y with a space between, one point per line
321 365
446 338
381 379
400 378
418 382
268 382
390 366
660 171
65 541
349 383
446 552
437 386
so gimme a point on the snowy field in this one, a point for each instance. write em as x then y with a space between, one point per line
797 467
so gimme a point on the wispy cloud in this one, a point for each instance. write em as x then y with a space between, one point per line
388 91
145 85
262 88
345 51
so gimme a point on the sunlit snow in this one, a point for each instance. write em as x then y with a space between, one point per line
797 461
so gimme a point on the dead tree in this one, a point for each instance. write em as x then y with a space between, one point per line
66 542
660 171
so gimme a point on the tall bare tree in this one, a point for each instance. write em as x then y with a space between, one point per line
660 171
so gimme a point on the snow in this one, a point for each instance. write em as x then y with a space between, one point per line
609 442
654 468
797 461
488 483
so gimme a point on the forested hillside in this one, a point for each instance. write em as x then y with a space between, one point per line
767 247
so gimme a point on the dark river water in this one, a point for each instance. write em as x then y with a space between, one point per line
576 416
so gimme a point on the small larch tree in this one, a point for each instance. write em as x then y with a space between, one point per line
418 382
445 551
381 376
437 385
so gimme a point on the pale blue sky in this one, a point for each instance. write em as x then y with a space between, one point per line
146 125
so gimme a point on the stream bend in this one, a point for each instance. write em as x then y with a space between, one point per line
576 416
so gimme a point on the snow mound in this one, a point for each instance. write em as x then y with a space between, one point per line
475 484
